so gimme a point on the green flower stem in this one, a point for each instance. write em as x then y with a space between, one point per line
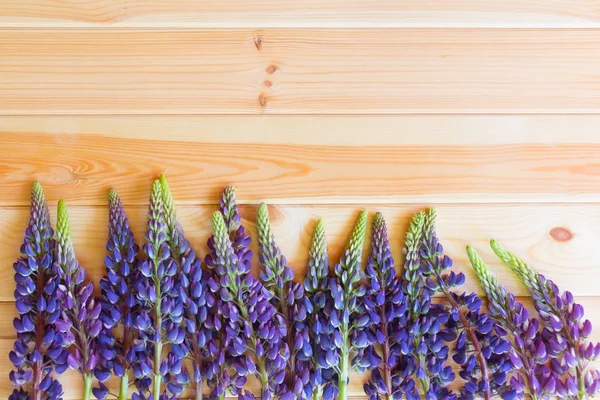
344 366
124 386
87 386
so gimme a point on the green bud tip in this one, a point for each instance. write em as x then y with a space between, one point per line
38 200
63 228
319 244
219 228
113 197
378 220
358 234
168 202
263 224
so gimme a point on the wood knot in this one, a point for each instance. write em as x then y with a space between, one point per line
258 43
268 83
271 69
561 234
262 100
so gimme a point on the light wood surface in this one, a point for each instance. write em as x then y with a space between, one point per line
299 13
299 71
487 110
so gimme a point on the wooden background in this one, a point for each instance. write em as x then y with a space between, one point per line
485 109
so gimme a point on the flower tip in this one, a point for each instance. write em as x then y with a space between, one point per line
37 187
112 195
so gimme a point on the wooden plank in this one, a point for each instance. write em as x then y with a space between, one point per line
299 71
73 387
323 130
299 13
552 237
81 167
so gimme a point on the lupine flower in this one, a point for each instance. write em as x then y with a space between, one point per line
39 345
79 320
479 350
119 300
254 326
161 314
225 372
289 299
191 285
565 330
529 351
424 346
316 286
344 318
385 307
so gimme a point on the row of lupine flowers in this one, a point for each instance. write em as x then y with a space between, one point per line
168 322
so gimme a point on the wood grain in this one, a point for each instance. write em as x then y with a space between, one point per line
81 167
319 130
73 388
298 71
299 13
526 230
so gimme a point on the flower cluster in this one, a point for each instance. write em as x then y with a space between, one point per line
119 301
39 346
528 350
191 293
80 311
346 319
385 304
480 351
424 347
565 331
289 299
254 326
159 321
316 286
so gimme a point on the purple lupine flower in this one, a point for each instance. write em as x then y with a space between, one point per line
565 330
159 321
289 299
254 326
529 351
80 317
119 301
316 286
224 371
481 352
424 348
344 318
39 345
385 310
191 286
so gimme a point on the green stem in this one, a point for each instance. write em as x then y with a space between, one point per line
262 369
87 386
124 386
157 381
344 366
318 392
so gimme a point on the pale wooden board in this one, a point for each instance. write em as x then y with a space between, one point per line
323 130
73 387
299 13
524 229
81 167
297 71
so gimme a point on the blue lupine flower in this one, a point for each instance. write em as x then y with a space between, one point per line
119 301
565 330
289 299
39 345
79 320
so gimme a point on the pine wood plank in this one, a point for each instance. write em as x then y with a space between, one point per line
299 71
81 167
73 387
554 238
299 13
323 130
